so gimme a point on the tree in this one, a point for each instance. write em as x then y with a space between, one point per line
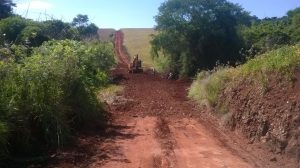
269 33
294 18
18 30
12 27
80 20
56 29
33 35
293 12
195 34
86 30
265 34
6 8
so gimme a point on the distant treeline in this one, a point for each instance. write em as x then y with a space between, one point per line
196 35
18 30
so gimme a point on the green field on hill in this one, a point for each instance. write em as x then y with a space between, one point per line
136 41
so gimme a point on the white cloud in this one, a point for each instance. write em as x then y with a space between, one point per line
34 4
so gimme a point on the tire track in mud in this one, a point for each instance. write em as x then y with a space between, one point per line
173 139
167 142
155 126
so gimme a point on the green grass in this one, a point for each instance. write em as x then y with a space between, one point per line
137 41
283 60
109 91
208 85
162 64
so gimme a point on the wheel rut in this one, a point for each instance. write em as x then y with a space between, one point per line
158 127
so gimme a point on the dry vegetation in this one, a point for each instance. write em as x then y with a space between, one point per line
136 41
106 34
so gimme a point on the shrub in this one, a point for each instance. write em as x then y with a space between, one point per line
207 86
11 28
52 92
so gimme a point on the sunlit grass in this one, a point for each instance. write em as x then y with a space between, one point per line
137 41
110 90
106 34
283 60
108 93
207 86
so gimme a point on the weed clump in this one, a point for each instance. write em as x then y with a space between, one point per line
205 89
44 99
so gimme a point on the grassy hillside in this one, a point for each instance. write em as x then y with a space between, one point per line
136 40
106 34
283 61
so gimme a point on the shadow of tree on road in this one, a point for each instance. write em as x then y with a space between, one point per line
93 146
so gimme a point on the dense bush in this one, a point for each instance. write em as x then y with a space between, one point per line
11 28
86 30
18 30
271 33
47 95
59 30
195 34
264 35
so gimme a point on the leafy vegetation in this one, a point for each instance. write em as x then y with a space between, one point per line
20 31
85 29
50 93
209 84
195 35
48 83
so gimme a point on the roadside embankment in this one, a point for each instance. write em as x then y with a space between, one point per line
260 98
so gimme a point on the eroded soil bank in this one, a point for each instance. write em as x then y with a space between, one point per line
268 116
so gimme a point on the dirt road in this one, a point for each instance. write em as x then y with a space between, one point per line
154 125
159 128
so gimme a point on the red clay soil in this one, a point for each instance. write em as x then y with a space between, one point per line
119 49
268 116
155 125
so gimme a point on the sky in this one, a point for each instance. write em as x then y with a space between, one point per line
129 13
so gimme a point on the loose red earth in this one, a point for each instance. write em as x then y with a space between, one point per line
159 127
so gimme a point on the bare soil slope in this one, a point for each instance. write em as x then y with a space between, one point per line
271 118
